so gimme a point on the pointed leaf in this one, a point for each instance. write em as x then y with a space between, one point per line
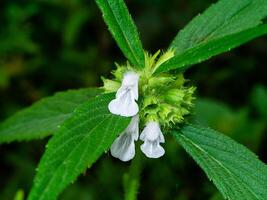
80 141
42 118
236 171
204 36
221 19
123 29
206 50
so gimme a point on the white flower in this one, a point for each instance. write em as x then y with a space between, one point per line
152 137
127 94
123 147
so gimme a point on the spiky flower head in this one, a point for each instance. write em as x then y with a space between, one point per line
165 98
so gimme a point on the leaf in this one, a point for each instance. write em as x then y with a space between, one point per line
122 28
42 118
80 141
236 171
211 48
226 17
230 22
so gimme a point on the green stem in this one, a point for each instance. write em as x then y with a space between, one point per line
131 180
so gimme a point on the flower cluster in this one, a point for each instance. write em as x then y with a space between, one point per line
125 105
163 103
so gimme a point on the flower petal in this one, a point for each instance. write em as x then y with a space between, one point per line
135 91
133 127
130 82
123 148
152 132
125 105
152 137
121 91
126 95
152 149
130 79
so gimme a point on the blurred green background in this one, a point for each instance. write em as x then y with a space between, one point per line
54 45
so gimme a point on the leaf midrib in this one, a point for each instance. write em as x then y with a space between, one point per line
207 37
57 168
76 135
124 36
219 163
102 141
53 114
225 23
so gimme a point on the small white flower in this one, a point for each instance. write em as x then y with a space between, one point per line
126 97
123 147
152 137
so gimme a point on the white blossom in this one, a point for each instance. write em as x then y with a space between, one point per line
152 137
125 102
123 147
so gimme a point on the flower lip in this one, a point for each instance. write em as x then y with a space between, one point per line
152 149
125 102
152 137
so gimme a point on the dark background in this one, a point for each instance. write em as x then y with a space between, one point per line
54 45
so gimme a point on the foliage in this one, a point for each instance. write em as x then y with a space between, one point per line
209 48
236 171
224 18
229 25
44 117
84 129
123 30
77 145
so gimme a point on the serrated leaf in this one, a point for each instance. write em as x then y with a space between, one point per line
210 48
123 29
221 19
81 140
227 21
235 170
42 118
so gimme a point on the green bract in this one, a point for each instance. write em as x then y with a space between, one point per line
165 98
